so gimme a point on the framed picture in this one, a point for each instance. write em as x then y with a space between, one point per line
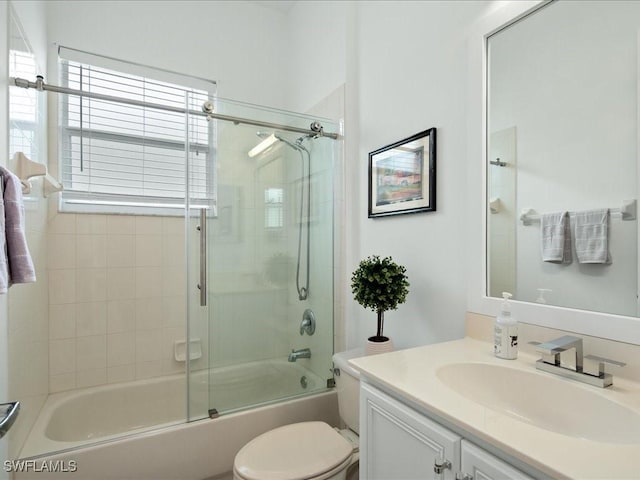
402 176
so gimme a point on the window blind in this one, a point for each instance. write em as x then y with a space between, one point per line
23 107
127 158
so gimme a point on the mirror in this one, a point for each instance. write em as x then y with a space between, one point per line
562 134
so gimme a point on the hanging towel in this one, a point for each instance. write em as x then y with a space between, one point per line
556 237
16 265
592 236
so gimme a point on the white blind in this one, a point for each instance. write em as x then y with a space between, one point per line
115 154
23 107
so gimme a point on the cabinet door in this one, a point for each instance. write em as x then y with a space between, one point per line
397 443
480 465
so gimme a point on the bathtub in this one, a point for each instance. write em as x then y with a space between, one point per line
149 415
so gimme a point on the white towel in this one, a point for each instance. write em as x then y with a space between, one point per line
556 237
16 265
592 236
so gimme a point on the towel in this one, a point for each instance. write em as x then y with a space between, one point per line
16 265
556 237
592 236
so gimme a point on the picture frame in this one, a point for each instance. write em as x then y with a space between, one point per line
402 176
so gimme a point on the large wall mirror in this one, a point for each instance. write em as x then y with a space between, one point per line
562 136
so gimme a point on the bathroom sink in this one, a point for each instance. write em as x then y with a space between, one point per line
549 403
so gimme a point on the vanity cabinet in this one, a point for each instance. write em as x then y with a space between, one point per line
477 464
399 443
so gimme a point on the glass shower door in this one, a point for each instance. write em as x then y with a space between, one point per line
269 243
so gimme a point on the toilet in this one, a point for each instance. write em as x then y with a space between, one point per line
309 450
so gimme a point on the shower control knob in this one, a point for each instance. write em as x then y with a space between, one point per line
308 323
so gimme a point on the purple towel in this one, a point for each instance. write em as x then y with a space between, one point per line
16 265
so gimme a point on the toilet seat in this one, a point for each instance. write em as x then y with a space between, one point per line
300 451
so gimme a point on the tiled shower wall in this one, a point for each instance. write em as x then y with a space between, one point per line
116 298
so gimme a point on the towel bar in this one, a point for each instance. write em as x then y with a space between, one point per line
8 415
627 212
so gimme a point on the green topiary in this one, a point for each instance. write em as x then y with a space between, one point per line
380 285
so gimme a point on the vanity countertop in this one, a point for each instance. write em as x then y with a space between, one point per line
412 374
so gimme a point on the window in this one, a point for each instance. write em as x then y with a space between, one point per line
23 107
122 158
273 208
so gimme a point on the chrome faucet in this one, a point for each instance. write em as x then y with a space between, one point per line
585 368
552 352
296 354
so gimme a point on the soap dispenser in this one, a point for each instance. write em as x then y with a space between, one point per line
505 340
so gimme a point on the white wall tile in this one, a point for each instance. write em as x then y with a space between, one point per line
62 286
91 352
29 369
121 283
62 251
91 378
148 282
173 226
148 225
173 281
62 356
108 308
174 311
148 250
148 345
171 367
91 224
91 319
62 223
121 251
91 251
121 225
121 349
91 284
121 373
62 382
169 337
62 321
148 313
148 369
121 316
173 251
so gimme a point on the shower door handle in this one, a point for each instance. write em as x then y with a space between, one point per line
203 257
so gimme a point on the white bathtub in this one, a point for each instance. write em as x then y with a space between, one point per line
135 411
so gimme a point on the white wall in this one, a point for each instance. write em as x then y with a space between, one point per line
4 353
405 71
27 304
412 66
316 51
237 43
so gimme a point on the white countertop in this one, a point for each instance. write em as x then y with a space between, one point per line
412 375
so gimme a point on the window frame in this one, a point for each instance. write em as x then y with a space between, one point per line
80 201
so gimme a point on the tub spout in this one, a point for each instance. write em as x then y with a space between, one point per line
296 354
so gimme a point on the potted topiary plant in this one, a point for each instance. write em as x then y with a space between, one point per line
380 285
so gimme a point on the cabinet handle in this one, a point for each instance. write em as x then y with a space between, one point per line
464 476
440 464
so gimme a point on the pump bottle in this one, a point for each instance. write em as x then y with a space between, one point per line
505 342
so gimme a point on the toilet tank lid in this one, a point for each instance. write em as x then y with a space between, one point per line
341 361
